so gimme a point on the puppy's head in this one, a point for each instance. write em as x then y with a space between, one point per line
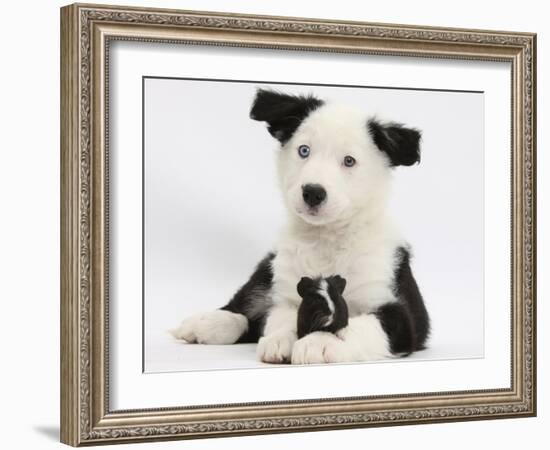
335 161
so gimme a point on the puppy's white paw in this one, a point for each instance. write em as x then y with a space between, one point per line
277 347
214 327
322 347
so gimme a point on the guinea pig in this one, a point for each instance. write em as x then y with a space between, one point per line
323 307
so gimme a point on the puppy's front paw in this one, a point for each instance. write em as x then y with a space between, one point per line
214 327
276 348
321 347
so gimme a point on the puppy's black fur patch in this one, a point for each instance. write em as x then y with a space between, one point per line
283 112
253 299
314 314
399 143
406 321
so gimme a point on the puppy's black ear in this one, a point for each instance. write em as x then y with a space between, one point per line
401 144
304 286
339 283
283 112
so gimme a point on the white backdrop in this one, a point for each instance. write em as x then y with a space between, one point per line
130 388
213 209
29 237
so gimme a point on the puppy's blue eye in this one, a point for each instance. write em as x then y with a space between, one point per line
349 161
303 151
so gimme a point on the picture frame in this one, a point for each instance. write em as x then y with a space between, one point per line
87 32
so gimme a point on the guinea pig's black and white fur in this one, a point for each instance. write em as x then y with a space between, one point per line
323 306
335 167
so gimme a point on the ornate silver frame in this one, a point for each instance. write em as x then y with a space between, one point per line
86 31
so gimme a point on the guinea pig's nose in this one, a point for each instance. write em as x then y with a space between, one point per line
313 194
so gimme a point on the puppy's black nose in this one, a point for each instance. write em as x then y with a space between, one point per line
313 194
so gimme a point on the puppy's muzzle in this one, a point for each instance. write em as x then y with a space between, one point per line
313 194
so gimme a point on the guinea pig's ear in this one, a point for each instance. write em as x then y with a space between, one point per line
283 112
339 283
399 143
304 286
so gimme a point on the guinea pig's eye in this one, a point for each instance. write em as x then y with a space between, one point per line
303 151
349 161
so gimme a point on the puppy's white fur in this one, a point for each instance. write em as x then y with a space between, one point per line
350 235
362 340
279 335
213 327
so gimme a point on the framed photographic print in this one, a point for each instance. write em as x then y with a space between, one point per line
276 224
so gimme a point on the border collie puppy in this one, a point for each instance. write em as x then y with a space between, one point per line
334 168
